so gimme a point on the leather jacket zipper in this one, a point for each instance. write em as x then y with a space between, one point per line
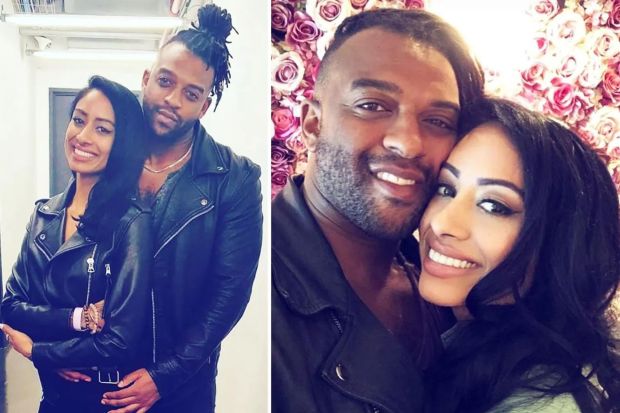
338 324
163 245
336 321
167 241
154 329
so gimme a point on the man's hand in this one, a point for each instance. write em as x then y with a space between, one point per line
139 393
72 375
18 340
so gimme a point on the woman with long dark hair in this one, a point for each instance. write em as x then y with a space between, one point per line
522 241
78 299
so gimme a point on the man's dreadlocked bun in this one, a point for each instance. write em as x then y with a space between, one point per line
207 39
215 21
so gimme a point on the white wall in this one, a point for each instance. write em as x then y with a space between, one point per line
17 164
241 122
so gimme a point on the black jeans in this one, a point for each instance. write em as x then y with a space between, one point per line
63 396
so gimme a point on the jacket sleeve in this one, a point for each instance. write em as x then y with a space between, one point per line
125 310
40 321
235 260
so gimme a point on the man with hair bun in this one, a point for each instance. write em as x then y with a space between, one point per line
207 222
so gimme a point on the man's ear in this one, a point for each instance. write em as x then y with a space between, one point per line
310 123
145 78
205 107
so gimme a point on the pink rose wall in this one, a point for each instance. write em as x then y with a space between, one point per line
571 70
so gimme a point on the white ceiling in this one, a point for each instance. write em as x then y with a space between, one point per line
93 38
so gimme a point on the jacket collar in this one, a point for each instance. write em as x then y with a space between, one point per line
314 278
49 239
314 282
312 286
56 204
206 156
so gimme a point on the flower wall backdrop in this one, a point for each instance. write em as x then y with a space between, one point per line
571 70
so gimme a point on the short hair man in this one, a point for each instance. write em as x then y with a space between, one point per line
347 333
207 221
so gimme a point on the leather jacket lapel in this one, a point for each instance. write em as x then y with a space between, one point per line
372 351
186 202
189 199
50 239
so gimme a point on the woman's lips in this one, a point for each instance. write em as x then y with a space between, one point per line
444 262
82 155
448 261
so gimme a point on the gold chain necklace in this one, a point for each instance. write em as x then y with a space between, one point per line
173 164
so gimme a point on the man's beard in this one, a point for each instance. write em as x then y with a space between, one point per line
346 182
173 135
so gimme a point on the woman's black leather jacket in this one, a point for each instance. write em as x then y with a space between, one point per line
50 279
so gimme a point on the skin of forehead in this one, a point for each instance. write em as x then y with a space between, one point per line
344 54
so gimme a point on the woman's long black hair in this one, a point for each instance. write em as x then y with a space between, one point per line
111 196
558 336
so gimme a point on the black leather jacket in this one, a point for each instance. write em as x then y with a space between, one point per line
206 254
50 279
328 352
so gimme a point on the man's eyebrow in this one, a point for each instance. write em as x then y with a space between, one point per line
390 87
81 112
170 72
382 85
444 104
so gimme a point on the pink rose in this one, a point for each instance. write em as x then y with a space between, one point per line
566 101
603 42
584 104
414 4
567 28
614 171
358 4
280 156
604 126
296 144
312 69
596 12
279 176
287 72
281 16
285 123
535 77
614 16
328 14
543 10
303 29
611 85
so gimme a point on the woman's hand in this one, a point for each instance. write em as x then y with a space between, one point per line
92 317
18 340
72 375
